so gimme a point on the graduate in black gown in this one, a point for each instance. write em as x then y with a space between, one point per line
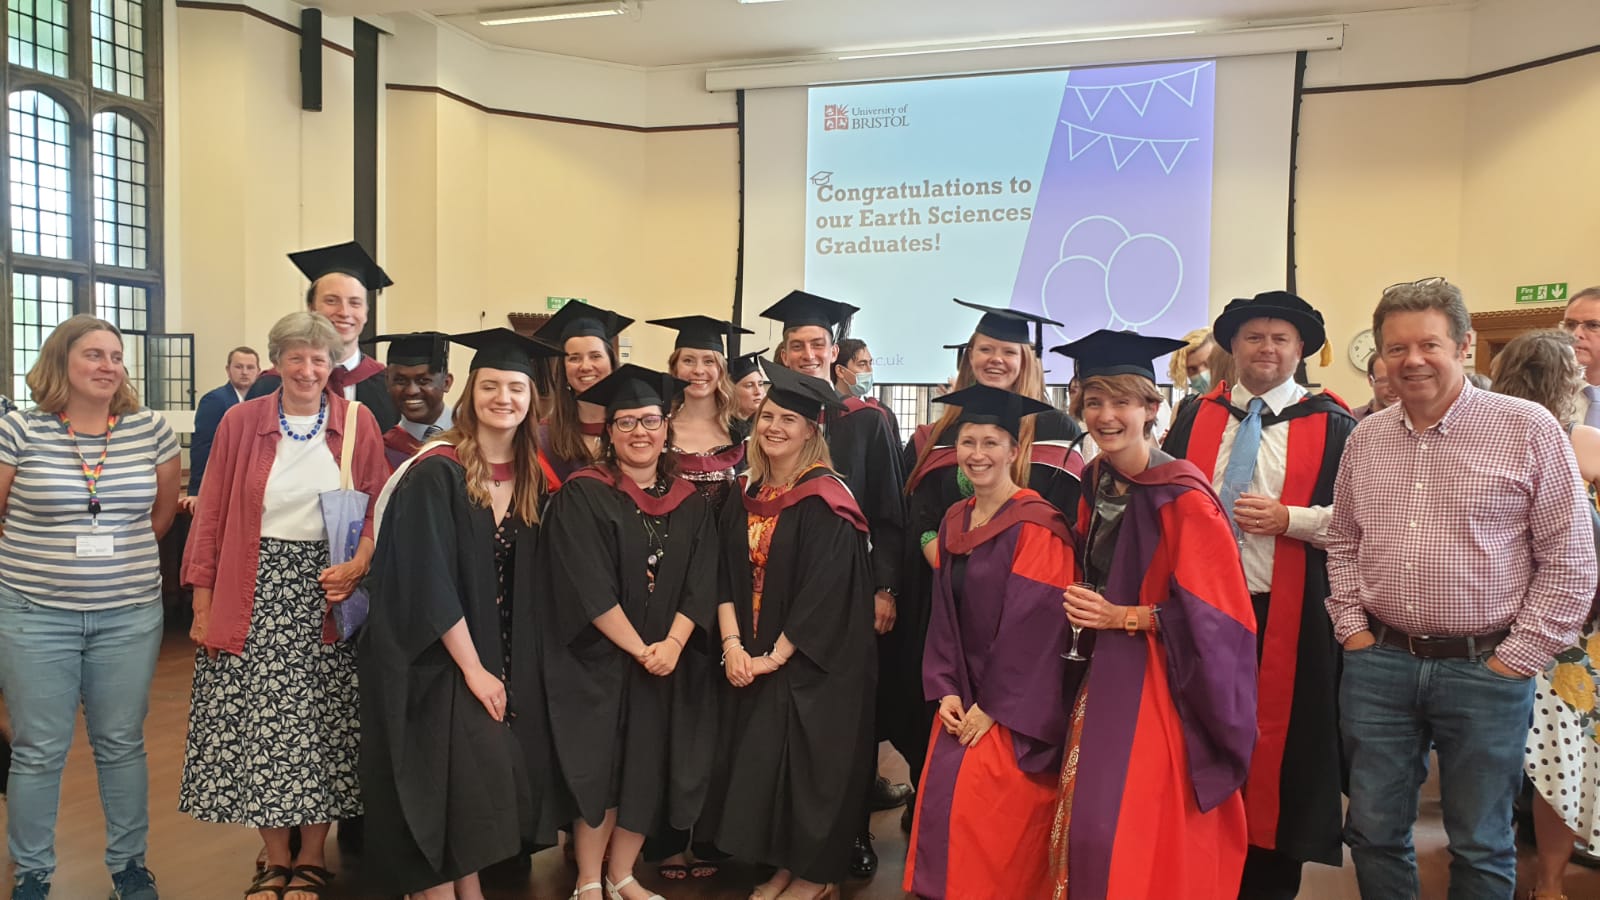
629 562
798 649
1002 353
749 385
584 335
344 279
441 773
866 454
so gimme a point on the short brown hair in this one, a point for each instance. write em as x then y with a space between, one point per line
245 350
1434 294
1588 293
1134 387
48 381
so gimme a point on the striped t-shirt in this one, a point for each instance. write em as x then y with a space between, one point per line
49 509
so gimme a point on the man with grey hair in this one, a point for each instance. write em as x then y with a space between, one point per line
1582 321
1461 560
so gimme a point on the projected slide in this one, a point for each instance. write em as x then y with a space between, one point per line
1084 195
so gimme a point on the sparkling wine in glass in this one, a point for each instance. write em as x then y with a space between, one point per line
1077 630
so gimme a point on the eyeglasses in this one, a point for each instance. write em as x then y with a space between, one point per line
1588 326
1421 282
651 423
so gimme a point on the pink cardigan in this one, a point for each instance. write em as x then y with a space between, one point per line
224 549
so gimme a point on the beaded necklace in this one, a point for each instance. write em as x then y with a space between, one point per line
283 421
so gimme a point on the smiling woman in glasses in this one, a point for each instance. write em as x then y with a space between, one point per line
629 568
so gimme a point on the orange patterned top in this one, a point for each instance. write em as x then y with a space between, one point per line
761 528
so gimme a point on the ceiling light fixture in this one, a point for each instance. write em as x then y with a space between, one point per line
964 48
759 1
554 13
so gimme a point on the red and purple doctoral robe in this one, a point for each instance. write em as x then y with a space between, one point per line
1297 754
399 446
1162 730
995 639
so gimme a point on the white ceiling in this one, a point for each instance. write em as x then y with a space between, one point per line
686 32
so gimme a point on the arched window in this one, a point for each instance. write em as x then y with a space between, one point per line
41 175
82 216
121 201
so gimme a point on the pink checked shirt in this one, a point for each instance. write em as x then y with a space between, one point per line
1476 524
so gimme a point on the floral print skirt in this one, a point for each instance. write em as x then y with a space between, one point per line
1562 757
274 734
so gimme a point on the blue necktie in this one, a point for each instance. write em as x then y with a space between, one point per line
1592 416
430 431
1241 468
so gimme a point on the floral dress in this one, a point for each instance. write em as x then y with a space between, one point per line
1562 756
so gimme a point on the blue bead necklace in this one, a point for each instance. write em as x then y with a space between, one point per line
283 421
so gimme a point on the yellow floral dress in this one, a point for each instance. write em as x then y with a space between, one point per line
1562 756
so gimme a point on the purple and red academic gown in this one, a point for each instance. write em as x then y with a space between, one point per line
984 813
1297 753
1163 727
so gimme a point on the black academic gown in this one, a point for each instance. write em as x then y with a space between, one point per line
932 491
622 737
1292 800
795 757
445 790
372 391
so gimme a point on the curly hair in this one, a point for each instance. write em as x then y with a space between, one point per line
1540 366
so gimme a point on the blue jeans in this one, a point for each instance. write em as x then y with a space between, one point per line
1392 708
49 659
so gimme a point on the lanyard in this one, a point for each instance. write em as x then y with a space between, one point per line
91 477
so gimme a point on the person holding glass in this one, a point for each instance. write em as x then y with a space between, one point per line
88 486
274 728
1164 723
994 665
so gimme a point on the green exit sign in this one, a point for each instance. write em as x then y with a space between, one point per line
1540 293
555 303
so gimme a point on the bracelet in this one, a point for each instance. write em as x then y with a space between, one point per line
674 639
731 637
725 653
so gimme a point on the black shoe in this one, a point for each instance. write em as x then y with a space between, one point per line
888 796
907 817
863 859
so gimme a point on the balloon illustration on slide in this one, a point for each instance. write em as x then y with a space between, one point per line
1109 277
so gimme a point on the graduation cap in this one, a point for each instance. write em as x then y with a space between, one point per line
1010 325
700 332
1272 305
419 348
741 366
1107 352
579 319
631 386
799 309
802 394
502 348
347 259
984 405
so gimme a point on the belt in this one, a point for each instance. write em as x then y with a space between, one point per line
1470 646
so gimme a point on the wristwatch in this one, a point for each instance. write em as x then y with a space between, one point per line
1130 622
893 594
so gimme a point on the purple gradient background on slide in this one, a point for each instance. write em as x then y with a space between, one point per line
1121 232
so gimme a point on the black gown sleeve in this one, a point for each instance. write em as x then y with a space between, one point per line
581 552
418 564
830 594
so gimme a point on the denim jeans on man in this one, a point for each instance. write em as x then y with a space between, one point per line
1392 708
49 658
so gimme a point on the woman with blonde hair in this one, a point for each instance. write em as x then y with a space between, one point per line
583 334
88 485
274 726
1562 758
1001 354
799 650
458 533
707 437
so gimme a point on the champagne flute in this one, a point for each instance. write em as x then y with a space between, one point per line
1077 630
